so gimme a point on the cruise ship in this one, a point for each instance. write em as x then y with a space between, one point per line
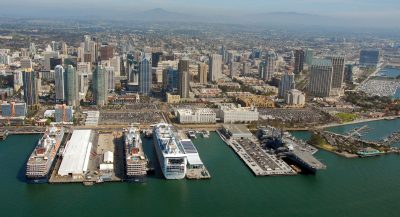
136 161
169 151
42 158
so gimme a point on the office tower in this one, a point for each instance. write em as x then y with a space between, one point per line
269 66
183 65
59 84
170 79
64 48
32 49
83 67
287 83
63 113
298 61
321 74
261 69
155 58
93 52
115 62
222 52
26 63
55 62
183 88
369 58
145 74
81 54
133 69
106 52
83 83
99 86
71 84
110 79
245 68
338 74
202 73
348 73
309 56
233 69
31 87
47 56
18 80
215 67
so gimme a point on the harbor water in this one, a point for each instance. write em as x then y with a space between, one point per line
349 187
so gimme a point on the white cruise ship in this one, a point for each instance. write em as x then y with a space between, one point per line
136 160
169 151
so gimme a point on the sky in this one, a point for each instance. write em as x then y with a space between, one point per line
381 10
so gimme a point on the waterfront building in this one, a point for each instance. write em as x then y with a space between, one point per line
197 116
230 113
59 85
321 78
145 75
295 98
309 56
337 75
63 113
369 58
202 73
99 86
298 61
71 90
287 83
215 67
13 109
31 83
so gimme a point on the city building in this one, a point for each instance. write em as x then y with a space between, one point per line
259 101
215 67
295 98
13 109
59 84
31 83
110 79
309 56
183 87
106 52
26 63
71 90
269 66
369 58
337 75
47 56
348 73
170 79
173 99
64 113
145 75
99 86
287 83
321 78
298 61
230 113
202 73
197 116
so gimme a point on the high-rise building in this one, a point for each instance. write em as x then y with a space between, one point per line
99 86
83 83
348 73
298 61
170 79
155 58
55 62
145 75
321 74
183 65
309 56
71 84
338 74
202 73
269 66
183 88
59 84
215 67
133 69
106 52
31 87
287 83
110 79
47 56
369 58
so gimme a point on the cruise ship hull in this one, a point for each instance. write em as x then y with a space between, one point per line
161 160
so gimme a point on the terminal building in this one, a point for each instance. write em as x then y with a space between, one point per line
75 157
198 116
230 113
193 158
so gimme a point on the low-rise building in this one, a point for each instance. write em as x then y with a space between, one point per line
258 101
13 109
173 98
295 98
64 113
198 116
230 113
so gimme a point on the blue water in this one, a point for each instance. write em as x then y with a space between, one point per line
389 72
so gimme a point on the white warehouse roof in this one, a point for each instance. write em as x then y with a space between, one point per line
76 154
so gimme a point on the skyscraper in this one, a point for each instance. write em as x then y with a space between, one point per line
71 90
287 83
202 72
170 79
369 57
145 75
298 61
183 65
99 86
321 74
110 79
215 67
309 56
338 74
59 84
348 73
269 66
31 81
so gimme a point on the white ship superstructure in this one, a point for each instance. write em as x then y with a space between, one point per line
136 161
169 151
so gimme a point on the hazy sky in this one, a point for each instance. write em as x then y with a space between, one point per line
385 10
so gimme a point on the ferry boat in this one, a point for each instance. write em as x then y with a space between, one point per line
169 150
40 162
136 162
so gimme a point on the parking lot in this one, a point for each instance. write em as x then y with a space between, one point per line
142 117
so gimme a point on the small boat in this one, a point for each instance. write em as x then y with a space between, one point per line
206 134
192 134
